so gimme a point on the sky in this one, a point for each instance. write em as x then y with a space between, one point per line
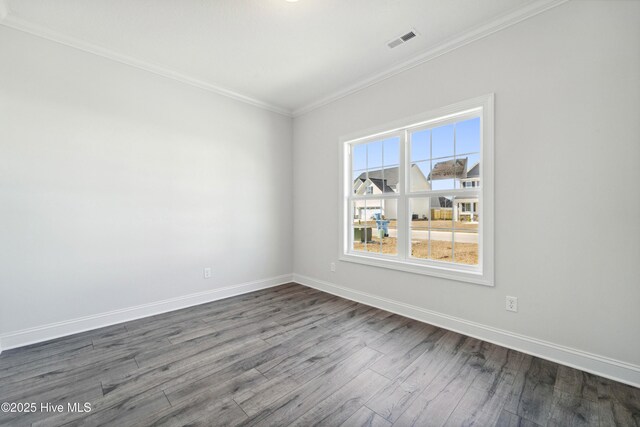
428 147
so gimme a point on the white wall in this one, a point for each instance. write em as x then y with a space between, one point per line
117 186
566 135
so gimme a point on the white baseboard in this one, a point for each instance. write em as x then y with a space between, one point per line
606 367
599 365
69 327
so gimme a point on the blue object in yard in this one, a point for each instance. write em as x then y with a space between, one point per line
382 224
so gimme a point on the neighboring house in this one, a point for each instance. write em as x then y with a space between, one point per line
472 179
467 208
382 181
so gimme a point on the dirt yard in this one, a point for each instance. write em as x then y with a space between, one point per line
466 253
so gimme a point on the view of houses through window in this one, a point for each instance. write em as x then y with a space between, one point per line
375 169
442 196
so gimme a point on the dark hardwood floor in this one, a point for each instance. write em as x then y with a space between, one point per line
292 355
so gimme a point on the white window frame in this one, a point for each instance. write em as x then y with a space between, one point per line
483 273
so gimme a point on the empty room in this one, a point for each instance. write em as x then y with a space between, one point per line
320 213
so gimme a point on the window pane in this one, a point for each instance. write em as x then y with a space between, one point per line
391 180
442 142
373 184
357 208
466 213
441 212
363 226
385 226
391 151
374 155
471 176
419 214
391 170
445 174
372 210
440 245
418 176
468 136
359 179
466 247
420 145
419 210
466 230
359 157
420 243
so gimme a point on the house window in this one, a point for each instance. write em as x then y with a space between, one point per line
428 207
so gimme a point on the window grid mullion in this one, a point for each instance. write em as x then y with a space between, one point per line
456 193
454 210
401 229
383 185
429 197
348 193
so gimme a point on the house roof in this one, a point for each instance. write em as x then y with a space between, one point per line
381 178
474 172
389 174
382 185
442 202
448 169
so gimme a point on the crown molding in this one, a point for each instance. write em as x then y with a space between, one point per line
11 21
503 21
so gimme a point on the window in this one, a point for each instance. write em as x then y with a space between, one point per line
418 195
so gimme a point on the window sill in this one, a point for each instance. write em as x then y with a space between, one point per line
418 268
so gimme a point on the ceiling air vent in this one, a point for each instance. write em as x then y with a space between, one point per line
402 39
408 36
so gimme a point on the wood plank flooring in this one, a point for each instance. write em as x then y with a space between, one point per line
296 356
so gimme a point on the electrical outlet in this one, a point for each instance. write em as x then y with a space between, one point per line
512 304
332 266
207 272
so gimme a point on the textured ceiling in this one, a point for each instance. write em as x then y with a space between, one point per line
288 55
